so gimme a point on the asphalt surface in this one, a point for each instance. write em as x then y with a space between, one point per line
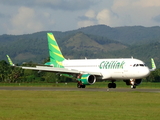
79 89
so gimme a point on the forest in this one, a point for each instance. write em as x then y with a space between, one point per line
99 41
11 74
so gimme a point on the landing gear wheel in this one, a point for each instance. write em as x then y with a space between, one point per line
78 85
133 86
109 85
81 86
112 85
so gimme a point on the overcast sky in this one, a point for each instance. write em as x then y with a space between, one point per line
29 16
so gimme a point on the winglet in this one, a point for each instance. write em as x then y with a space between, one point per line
153 65
10 61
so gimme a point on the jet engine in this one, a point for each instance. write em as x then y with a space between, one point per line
87 79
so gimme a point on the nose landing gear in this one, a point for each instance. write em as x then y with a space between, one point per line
133 86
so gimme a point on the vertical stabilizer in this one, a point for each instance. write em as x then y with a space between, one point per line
56 56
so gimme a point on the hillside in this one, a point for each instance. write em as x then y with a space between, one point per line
81 41
35 47
92 42
128 34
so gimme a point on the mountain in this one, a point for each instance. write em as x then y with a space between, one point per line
35 47
81 41
127 35
99 41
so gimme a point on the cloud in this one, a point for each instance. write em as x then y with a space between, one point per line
70 4
129 13
83 18
21 17
147 3
53 4
27 21
90 14
2 15
157 18
85 23
88 19
125 13
104 17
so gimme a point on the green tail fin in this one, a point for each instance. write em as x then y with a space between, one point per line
56 56
10 61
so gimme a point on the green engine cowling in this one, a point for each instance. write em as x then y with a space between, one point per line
87 79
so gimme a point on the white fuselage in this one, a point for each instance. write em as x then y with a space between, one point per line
110 68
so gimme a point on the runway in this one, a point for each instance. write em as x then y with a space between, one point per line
79 89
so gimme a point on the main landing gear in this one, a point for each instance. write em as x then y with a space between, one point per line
112 85
79 83
80 86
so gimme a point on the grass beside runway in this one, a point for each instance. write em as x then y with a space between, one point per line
120 84
78 105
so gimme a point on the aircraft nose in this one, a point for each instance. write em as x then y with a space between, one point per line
146 72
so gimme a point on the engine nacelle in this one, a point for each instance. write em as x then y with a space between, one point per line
87 79
136 82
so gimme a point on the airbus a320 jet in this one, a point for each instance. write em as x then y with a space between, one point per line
88 71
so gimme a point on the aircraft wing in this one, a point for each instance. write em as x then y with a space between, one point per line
61 70
55 69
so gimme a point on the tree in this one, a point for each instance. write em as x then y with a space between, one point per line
15 75
154 76
4 70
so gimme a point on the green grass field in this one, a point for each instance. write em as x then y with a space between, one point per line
79 105
74 84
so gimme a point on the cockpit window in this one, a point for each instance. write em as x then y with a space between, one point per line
136 65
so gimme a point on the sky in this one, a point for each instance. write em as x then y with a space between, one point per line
28 16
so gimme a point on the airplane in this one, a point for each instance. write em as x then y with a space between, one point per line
88 71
